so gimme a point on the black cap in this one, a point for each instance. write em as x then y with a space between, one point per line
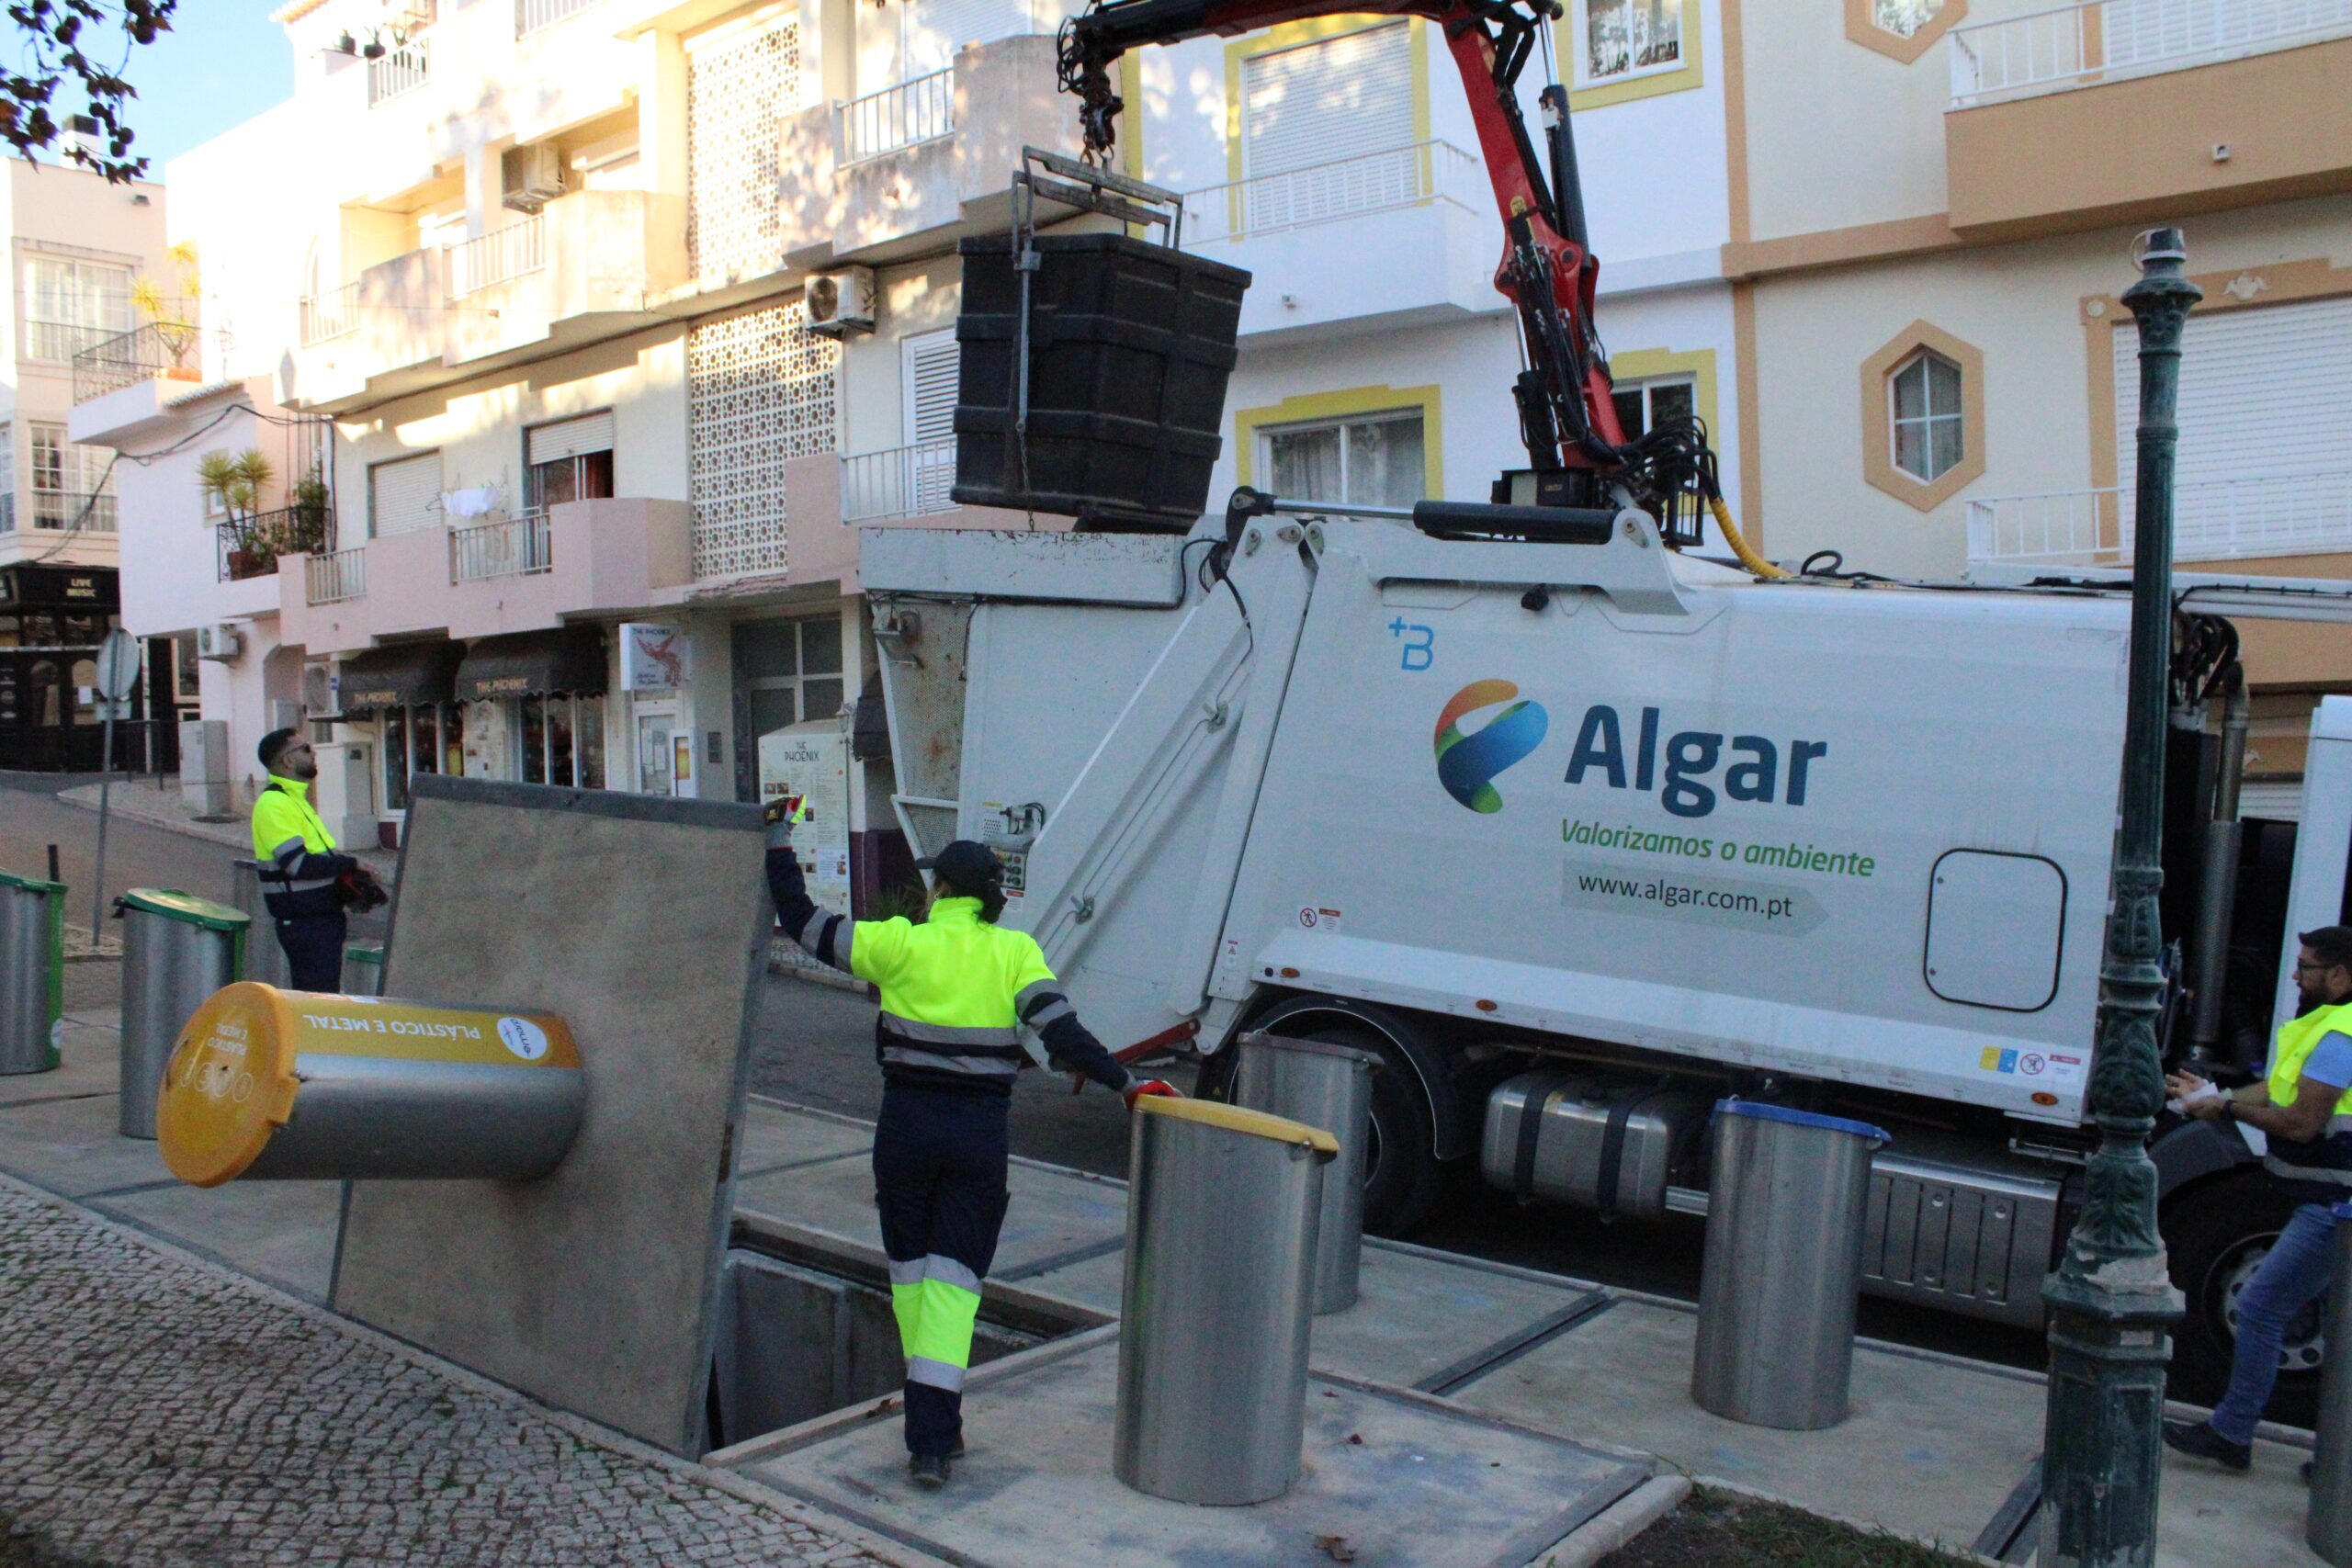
965 865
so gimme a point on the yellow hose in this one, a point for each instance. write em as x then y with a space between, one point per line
1739 543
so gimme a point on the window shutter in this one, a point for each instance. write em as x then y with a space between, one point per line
1322 102
935 30
404 495
930 367
571 437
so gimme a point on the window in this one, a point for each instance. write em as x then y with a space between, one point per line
930 363
7 477
1904 17
790 671
70 304
1373 459
429 738
1928 421
1642 406
559 740
1323 102
1621 39
404 495
73 485
1903 30
216 511
568 461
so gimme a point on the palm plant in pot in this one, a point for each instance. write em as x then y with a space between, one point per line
235 485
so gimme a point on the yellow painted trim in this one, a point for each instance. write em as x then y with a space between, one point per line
1314 407
1236 1119
1878 416
1861 28
1315 29
1681 79
1751 414
1131 119
1650 364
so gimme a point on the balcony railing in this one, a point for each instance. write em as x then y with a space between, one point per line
329 315
512 546
74 510
904 116
335 577
63 340
499 256
2107 40
1371 181
159 348
530 16
401 70
2283 515
904 482
249 547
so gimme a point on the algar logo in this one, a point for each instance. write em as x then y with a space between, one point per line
1467 764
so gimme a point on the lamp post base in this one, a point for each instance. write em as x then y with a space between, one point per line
2107 1351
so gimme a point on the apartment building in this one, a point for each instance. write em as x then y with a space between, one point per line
86 265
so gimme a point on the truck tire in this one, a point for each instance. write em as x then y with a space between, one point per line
2215 1236
1402 1178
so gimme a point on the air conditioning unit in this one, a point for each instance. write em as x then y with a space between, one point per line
220 642
318 690
841 302
530 177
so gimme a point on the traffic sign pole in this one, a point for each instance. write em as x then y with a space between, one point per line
118 672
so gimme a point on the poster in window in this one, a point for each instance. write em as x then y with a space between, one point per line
655 658
1620 39
812 762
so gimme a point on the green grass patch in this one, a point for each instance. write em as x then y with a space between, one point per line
1724 1529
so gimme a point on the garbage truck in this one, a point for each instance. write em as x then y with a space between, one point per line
1583 834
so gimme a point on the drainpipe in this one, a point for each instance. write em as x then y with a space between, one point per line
2218 888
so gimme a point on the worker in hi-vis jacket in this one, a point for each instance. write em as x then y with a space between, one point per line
301 874
957 991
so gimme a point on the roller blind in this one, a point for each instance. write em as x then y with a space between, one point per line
1325 101
571 437
404 495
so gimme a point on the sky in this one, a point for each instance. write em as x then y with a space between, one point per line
222 62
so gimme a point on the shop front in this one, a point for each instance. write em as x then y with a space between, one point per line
53 621
400 701
536 707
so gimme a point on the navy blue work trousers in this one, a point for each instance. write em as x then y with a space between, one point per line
939 1179
313 945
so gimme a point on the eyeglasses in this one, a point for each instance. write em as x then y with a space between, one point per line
2304 967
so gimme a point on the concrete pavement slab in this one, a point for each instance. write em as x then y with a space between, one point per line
1037 1491
279 1231
776 1135
73 1146
2204 1515
1418 1318
1931 1449
89 1062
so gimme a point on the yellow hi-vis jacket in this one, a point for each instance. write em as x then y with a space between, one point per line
298 855
2328 1157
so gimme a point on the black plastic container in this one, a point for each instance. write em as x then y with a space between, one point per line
1130 347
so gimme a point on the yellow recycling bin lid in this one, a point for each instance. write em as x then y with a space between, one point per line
232 1083
1234 1118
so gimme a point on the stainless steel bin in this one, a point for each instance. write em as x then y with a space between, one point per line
1222 1209
1325 1086
264 957
2328 1526
177 949
363 969
1783 1265
32 971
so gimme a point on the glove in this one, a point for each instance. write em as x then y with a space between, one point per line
1150 1086
359 892
780 814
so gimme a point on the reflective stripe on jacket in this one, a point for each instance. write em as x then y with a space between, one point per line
2328 1157
950 988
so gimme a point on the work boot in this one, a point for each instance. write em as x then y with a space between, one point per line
930 1470
2200 1440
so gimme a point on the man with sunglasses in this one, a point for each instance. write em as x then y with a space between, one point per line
301 874
2303 1106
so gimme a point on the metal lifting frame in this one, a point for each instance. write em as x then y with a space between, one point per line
1568 417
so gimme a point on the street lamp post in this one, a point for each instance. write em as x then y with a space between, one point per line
2110 1302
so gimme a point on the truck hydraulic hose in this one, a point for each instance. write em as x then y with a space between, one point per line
1739 543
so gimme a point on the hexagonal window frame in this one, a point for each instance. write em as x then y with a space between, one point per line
1862 27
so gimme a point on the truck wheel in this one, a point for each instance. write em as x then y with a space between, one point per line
2215 1236
1401 1175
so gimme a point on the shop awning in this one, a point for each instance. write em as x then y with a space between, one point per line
568 658
402 676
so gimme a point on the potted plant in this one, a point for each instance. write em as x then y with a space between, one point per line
307 529
236 485
176 337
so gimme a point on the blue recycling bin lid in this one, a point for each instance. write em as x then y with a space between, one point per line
1795 1118
2343 1213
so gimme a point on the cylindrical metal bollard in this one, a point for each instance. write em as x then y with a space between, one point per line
2328 1526
363 969
32 973
268 1084
1222 1209
264 955
1328 1086
1783 1265
177 949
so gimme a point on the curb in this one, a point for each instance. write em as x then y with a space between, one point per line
1620 1522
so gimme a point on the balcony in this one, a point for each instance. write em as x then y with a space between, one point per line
403 70
62 341
2046 129
159 349
528 572
574 273
902 481
1417 218
531 16
907 114
249 547
2221 519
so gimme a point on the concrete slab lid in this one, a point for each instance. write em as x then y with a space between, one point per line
1037 1489
643 922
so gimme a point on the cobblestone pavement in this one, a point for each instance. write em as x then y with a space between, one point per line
154 1411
